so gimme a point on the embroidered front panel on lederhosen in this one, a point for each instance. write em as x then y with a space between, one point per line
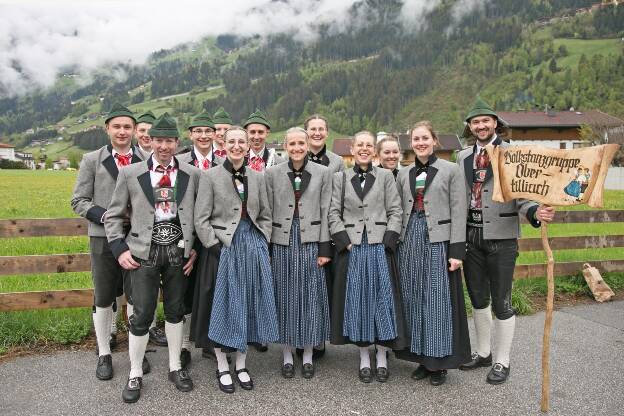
166 228
481 164
419 191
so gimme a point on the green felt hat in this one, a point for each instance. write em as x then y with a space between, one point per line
148 118
480 108
164 126
119 110
202 120
257 117
222 117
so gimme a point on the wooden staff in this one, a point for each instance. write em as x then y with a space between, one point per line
548 320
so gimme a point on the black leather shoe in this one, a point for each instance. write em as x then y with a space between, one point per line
308 370
104 370
438 378
113 342
245 385
382 374
157 337
498 374
181 379
421 373
288 370
185 358
260 347
476 361
146 366
132 392
366 375
225 388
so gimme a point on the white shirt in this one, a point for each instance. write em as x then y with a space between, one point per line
163 211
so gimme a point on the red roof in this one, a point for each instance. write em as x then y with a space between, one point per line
534 119
342 147
6 146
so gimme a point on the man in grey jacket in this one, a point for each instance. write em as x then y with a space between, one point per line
92 194
158 195
493 229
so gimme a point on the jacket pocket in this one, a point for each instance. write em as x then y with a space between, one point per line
277 225
444 222
508 214
218 227
349 225
134 235
381 223
318 222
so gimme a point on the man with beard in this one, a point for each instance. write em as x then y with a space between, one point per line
222 122
159 197
260 157
493 229
92 195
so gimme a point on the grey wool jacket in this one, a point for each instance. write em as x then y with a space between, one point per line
313 206
500 219
134 197
444 202
218 207
190 158
376 208
95 185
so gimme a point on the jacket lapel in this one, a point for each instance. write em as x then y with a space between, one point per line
355 182
431 173
468 166
412 181
368 183
109 163
305 180
135 155
146 183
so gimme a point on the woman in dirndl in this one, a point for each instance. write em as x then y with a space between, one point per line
233 222
299 195
430 256
365 222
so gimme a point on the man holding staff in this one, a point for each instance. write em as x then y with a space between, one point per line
493 229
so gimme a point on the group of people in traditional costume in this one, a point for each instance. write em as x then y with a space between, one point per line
249 248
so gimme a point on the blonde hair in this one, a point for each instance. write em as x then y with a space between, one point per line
363 133
389 138
294 130
315 117
233 129
427 125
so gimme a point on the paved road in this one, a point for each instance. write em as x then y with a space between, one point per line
587 379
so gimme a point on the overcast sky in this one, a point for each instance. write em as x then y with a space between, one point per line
38 39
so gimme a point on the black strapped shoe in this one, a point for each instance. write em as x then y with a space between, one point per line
185 358
288 370
308 370
365 375
421 373
245 385
498 374
132 392
104 369
437 378
382 374
181 379
157 337
476 361
225 388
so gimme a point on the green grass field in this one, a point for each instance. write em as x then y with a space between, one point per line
47 194
589 47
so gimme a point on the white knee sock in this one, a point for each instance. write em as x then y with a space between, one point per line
174 341
136 350
241 357
504 333
364 358
483 327
129 311
116 314
288 355
382 359
186 332
102 323
307 354
222 365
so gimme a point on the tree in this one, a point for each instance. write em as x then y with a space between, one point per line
552 66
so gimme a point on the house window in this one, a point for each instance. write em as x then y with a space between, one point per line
563 145
580 145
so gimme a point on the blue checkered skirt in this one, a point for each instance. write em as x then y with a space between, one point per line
369 313
425 291
243 309
300 292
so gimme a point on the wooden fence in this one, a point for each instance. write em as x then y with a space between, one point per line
63 263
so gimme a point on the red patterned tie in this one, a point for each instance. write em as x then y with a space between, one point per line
220 153
256 163
123 160
206 164
165 180
482 163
